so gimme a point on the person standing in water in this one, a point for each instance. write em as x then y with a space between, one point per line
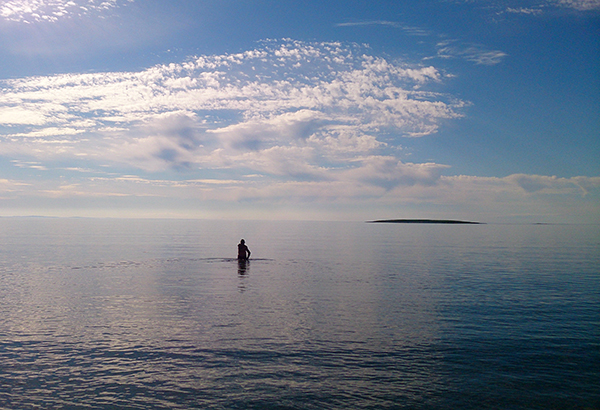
243 251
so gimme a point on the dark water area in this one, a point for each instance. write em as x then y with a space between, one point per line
158 314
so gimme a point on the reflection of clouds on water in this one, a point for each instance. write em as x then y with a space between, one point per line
383 313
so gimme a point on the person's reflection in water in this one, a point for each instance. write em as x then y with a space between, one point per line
243 265
243 268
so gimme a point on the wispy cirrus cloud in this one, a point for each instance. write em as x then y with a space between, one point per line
536 9
583 5
524 10
475 53
533 7
453 48
407 29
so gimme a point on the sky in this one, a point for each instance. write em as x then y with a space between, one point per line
481 110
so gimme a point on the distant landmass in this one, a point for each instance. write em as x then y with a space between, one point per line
424 221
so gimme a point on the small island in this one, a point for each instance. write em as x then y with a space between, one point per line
424 221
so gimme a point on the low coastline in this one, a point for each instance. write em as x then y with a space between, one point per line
426 221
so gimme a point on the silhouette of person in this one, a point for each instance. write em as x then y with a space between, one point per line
243 251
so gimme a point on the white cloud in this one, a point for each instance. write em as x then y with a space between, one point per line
410 30
388 172
524 10
330 99
475 53
553 184
534 7
403 190
29 11
289 121
29 164
535 10
13 115
50 131
581 4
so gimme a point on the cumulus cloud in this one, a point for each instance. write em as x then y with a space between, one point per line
288 109
11 115
287 121
28 11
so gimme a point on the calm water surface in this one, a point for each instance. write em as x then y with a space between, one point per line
155 314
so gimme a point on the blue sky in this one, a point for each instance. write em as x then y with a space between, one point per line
354 110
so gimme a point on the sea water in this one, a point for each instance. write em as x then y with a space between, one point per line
157 314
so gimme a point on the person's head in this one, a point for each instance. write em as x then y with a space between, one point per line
242 241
